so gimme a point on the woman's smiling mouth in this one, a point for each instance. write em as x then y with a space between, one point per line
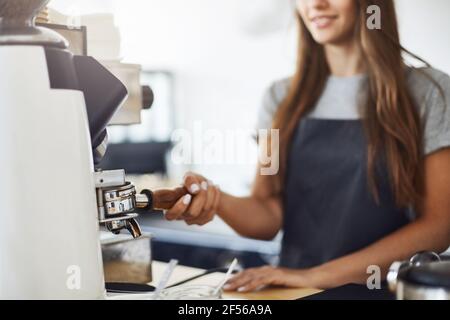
323 21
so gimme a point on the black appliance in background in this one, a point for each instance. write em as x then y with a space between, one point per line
137 158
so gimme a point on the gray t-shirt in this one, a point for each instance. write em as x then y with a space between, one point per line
341 97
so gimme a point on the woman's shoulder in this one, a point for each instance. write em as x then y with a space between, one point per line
426 75
427 83
430 89
278 90
273 96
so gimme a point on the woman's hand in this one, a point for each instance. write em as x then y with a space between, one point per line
258 278
200 205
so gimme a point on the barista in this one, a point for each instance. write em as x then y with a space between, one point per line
364 157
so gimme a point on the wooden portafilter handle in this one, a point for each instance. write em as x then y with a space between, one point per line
162 199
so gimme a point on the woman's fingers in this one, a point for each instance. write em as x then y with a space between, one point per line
252 279
203 219
197 204
209 209
209 214
210 195
254 284
238 281
179 208
165 199
202 204
192 182
200 217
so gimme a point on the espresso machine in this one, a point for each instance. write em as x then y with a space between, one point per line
54 110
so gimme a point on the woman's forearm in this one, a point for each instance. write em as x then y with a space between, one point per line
421 235
251 217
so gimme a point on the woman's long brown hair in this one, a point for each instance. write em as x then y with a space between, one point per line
392 124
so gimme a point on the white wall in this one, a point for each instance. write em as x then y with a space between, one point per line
425 30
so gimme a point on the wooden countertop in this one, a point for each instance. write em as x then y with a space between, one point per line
182 272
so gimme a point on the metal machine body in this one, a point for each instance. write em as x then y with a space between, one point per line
48 194
49 244
54 110
118 203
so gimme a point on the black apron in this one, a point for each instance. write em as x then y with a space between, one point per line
329 209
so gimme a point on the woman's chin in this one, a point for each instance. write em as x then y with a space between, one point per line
327 39
324 38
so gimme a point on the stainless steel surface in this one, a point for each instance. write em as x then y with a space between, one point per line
17 25
109 178
100 151
115 226
130 224
119 200
404 289
407 291
393 272
126 259
133 227
118 207
424 257
123 217
116 201
119 192
141 201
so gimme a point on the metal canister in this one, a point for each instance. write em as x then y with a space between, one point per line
125 259
423 277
